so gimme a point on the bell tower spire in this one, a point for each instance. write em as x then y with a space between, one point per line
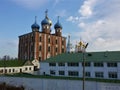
69 45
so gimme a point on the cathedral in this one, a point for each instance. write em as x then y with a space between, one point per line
42 44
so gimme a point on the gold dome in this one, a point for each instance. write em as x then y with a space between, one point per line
50 22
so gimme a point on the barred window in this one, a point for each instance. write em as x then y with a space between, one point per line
73 73
73 64
98 64
99 74
52 64
112 75
61 64
61 72
87 74
87 64
112 64
52 72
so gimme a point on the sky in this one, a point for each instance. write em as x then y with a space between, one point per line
96 22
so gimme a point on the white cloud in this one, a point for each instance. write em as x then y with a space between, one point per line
72 19
31 4
81 25
86 9
102 28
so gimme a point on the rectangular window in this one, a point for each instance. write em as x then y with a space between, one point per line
61 72
32 38
39 58
56 49
73 73
52 72
56 41
48 48
1 71
40 48
87 64
87 74
62 50
29 68
52 64
112 75
48 40
9 70
26 68
5 70
99 74
13 70
61 64
40 39
112 64
73 64
98 64
62 42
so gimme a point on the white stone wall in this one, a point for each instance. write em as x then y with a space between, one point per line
44 67
57 84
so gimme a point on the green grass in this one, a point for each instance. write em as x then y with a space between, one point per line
63 78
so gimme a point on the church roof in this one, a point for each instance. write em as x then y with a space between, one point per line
107 56
14 63
11 63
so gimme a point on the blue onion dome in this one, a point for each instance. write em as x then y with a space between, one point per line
35 25
46 20
58 24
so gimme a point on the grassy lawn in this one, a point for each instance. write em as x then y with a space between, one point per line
64 78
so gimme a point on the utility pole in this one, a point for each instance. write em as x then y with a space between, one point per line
84 52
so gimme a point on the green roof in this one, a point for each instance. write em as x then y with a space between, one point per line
11 63
107 56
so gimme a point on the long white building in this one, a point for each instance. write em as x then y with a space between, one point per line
104 65
18 66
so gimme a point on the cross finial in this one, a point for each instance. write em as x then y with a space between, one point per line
46 12
35 19
58 18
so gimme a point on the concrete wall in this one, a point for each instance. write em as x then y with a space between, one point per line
55 84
